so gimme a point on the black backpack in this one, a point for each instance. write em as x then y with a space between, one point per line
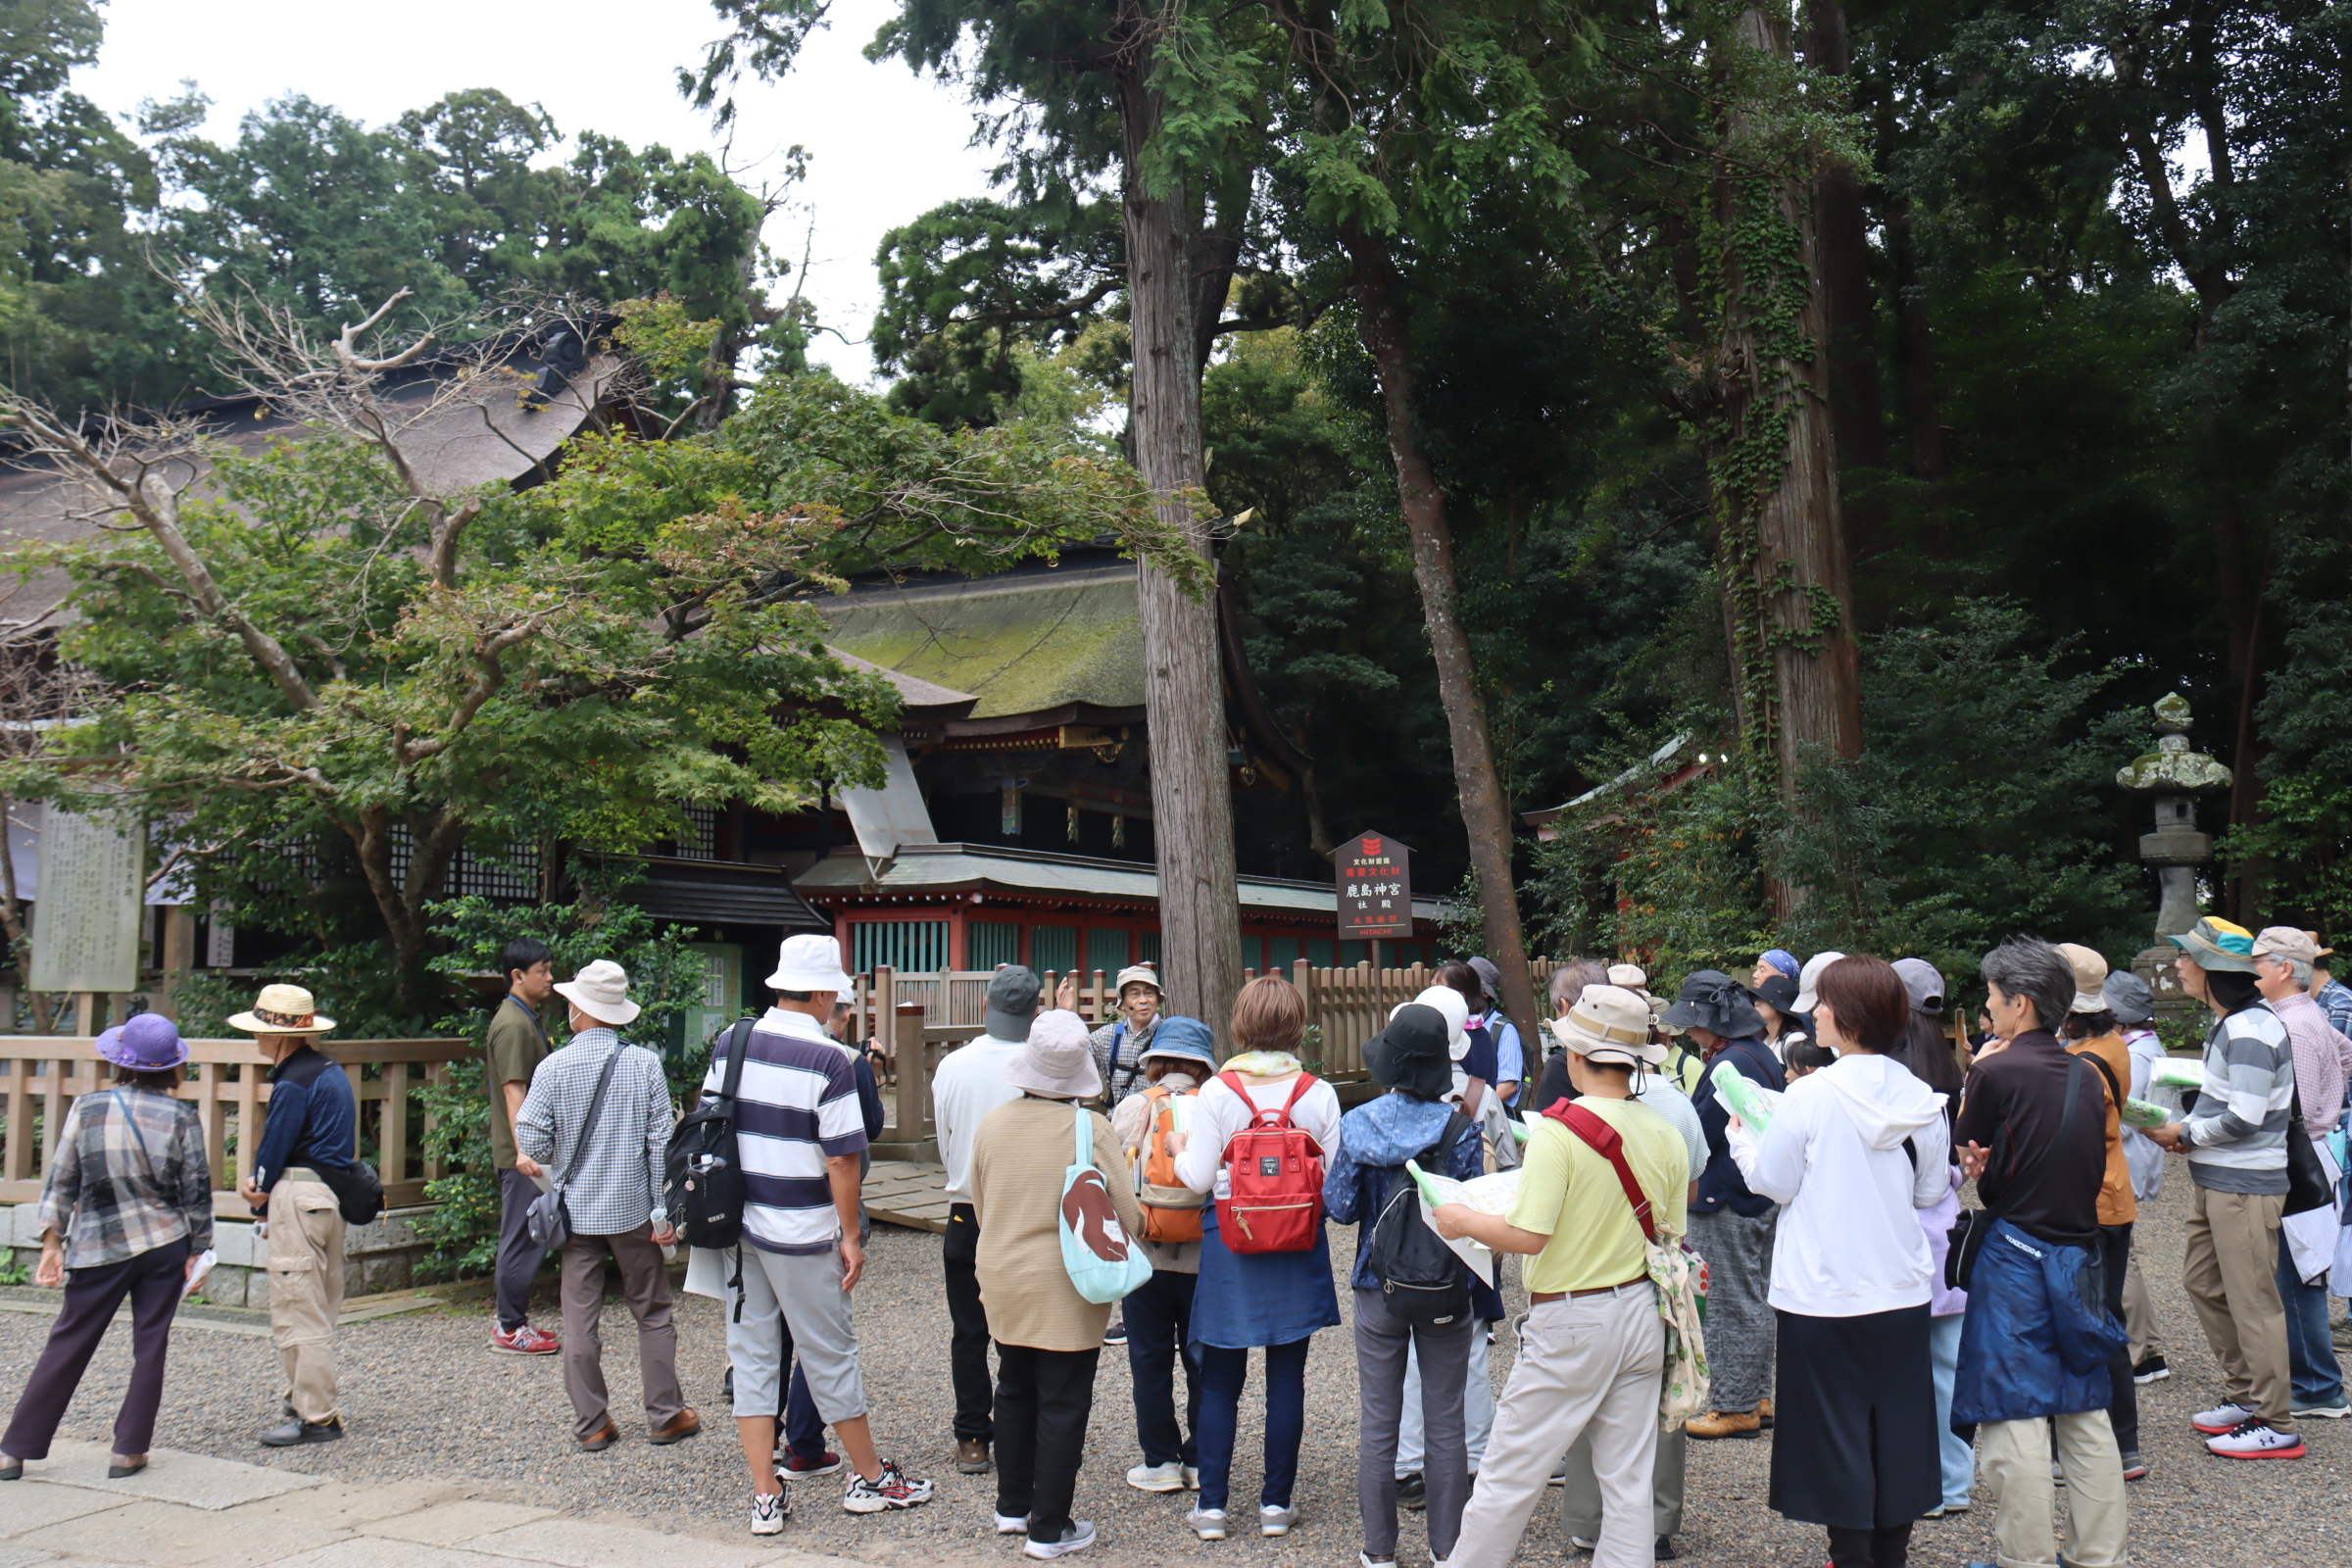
1421 1280
702 1176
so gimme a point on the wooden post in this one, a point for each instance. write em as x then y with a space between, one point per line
89 1011
177 957
914 1081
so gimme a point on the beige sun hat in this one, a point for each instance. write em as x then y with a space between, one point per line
2090 977
2288 942
1058 1059
282 1010
601 990
1610 1024
1137 974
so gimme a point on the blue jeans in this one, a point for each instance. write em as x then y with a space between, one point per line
2309 1353
804 1428
1159 1319
1222 1374
1958 1455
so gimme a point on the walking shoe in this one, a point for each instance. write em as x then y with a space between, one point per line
2256 1440
1192 1478
1167 1477
892 1489
1582 1545
971 1456
797 1468
1763 1415
1272 1521
2150 1369
524 1340
1207 1523
1412 1492
1365 1559
298 1430
2342 1333
2335 1409
685 1424
2135 1467
1665 1551
1081 1537
769 1511
1724 1423
595 1444
1008 1525
2222 1418
1116 1334
1559 1473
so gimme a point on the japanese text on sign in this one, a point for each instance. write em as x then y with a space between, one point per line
1375 887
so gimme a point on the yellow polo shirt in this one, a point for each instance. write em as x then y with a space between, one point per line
1572 1195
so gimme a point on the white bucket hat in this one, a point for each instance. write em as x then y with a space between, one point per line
1136 974
1457 1008
808 963
601 990
1058 1059
1610 1024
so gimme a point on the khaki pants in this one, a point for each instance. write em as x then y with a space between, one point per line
305 1290
2139 1316
2232 1280
2016 1460
1586 1365
645 1287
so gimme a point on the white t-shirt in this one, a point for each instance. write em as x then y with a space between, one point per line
969 1084
1221 1114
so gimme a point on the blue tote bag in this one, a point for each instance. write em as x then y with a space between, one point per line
1103 1259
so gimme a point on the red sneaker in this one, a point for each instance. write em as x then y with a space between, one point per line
524 1340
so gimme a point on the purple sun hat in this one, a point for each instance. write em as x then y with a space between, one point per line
146 1043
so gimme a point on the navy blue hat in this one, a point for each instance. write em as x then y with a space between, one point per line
1186 1039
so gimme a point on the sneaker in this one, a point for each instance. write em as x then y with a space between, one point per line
1192 1478
797 1468
2150 1369
524 1340
1365 1559
1009 1525
1582 1545
2135 1467
1559 1473
2222 1418
1272 1521
2256 1440
893 1489
1156 1477
2342 1333
1412 1492
298 1430
2335 1409
971 1456
769 1514
1207 1523
1081 1537
1116 1334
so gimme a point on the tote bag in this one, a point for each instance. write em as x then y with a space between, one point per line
1101 1259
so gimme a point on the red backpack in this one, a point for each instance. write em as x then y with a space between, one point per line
1274 1178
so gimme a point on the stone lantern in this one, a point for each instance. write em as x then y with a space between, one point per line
2174 776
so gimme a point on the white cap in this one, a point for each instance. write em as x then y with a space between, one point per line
1808 977
808 963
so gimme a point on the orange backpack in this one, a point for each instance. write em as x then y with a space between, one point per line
1171 1209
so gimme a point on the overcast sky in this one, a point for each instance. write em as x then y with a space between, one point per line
884 145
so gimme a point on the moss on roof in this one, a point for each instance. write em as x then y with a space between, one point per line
1022 643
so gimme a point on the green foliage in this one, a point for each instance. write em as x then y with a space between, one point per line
13 1271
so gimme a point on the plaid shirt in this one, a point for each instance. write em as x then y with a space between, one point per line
1119 1047
612 1174
2336 1000
130 1176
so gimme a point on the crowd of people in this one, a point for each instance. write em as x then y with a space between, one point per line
1796 1145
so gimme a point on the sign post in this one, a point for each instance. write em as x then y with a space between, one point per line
1375 890
86 918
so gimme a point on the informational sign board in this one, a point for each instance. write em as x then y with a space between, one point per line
1376 887
85 923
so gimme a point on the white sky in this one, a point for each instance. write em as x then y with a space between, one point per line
883 144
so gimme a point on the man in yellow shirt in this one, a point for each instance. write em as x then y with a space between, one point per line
1593 1348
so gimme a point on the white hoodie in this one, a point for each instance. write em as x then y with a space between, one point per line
1848 1243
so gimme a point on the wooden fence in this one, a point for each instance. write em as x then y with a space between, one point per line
41 1075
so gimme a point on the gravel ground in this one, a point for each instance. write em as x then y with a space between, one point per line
426 1399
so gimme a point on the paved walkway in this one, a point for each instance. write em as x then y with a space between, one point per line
188 1510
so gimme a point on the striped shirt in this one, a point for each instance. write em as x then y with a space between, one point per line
2237 1137
796 1108
129 1176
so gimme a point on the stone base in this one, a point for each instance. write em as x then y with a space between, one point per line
379 1257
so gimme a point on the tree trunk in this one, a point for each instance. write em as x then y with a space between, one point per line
1183 695
19 941
1915 363
1486 815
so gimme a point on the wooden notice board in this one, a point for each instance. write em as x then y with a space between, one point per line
1375 886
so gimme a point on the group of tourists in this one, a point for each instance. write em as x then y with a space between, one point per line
1793 1145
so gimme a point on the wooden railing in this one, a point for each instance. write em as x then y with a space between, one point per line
41 1076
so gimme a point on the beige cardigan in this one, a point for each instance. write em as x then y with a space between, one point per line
1018 1162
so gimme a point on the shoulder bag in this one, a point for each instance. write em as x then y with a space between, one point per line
549 1218
1101 1259
1968 1232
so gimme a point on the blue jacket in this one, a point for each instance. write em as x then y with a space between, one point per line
2031 1345
1720 1183
1376 1138
312 1117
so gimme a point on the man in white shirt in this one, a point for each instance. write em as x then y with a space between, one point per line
969 1084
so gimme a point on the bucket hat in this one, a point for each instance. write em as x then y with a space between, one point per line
808 963
1012 1003
601 990
1713 1000
282 1010
1457 1008
1628 975
2090 977
1610 1024
1136 974
2218 944
2129 997
1780 992
1411 1053
1925 984
146 1042
1809 976
1182 1039
1057 1060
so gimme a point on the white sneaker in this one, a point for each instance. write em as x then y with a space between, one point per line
1207 1523
1081 1537
1156 1477
2257 1439
2223 1418
1192 1478
1365 1559
1008 1525
2335 1409
1582 1545
1276 1521
769 1510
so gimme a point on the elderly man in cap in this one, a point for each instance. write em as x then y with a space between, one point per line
1592 1350
2283 966
312 1133
1119 1045
2236 1145
969 1084
598 1116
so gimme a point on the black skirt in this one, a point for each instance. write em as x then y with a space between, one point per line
1854 1442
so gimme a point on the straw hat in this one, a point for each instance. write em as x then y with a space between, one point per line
1058 1059
1610 1024
282 1010
601 990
